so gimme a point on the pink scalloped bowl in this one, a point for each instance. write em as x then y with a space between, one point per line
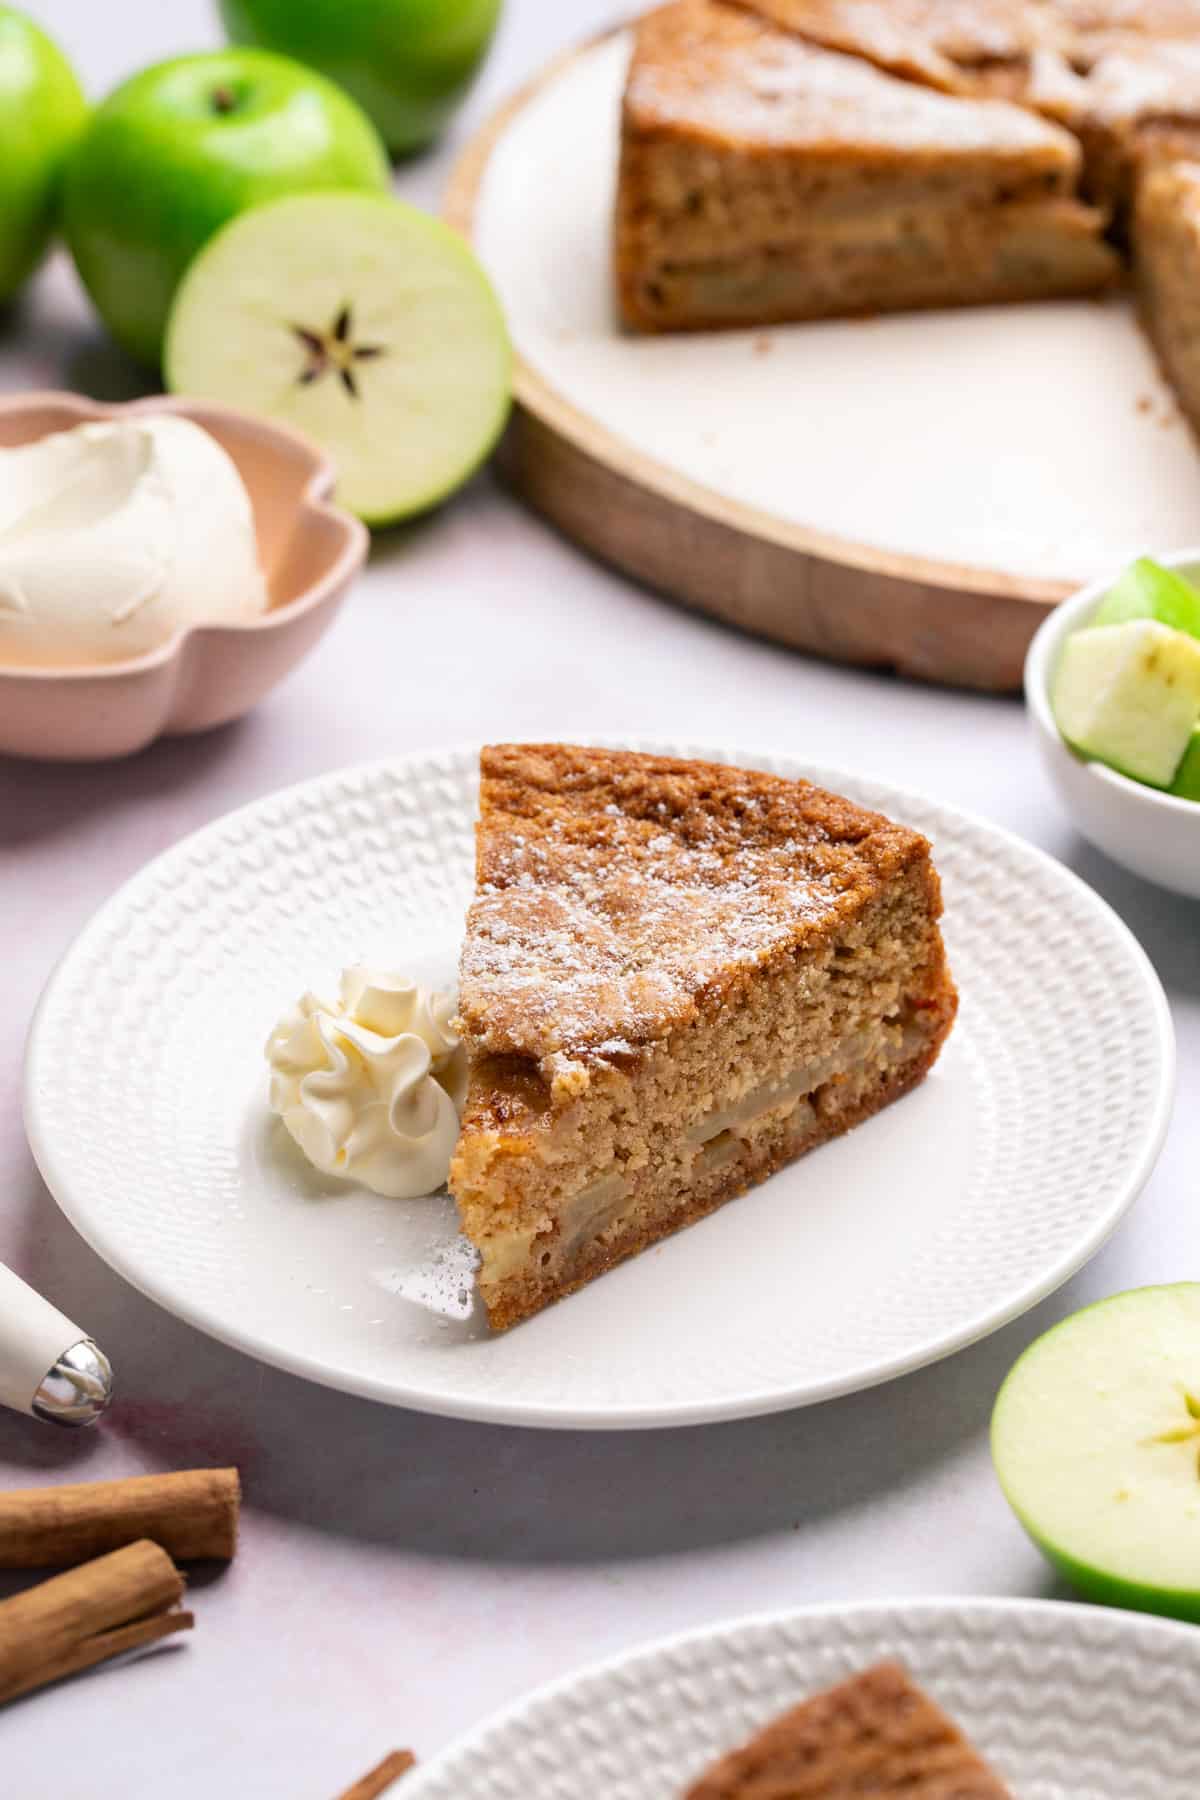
310 551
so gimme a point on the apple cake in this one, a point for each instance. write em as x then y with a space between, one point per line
764 177
676 977
1167 234
876 1734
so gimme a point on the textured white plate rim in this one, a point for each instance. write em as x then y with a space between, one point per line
90 1226
1134 1625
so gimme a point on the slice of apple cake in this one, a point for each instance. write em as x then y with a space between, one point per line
677 977
877 1733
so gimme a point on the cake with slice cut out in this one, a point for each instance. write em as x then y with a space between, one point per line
676 977
877 1733
765 177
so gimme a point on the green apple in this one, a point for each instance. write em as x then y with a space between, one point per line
408 62
1096 1441
1148 591
42 112
1129 695
1186 784
362 322
180 149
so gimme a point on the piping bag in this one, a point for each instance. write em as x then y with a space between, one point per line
48 1367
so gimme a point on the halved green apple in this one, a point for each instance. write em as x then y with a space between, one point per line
1148 591
364 323
1096 1441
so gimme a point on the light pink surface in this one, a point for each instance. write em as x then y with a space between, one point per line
402 1576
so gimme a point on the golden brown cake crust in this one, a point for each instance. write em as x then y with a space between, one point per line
616 891
956 45
721 73
876 1734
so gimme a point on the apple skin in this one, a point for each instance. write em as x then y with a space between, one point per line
1110 1590
1098 1585
42 112
407 62
181 148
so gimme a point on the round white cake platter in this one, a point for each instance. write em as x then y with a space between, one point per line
913 491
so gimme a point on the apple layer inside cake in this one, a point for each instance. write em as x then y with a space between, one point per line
557 1191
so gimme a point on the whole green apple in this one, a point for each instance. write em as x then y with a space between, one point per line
42 111
408 62
178 150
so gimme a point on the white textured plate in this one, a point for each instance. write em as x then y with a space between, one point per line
928 1226
1035 442
1068 1702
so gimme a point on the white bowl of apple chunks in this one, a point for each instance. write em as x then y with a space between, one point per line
1112 682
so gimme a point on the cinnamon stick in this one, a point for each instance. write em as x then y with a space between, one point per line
193 1515
377 1780
99 1610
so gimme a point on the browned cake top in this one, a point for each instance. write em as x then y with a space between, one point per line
1123 81
1108 62
950 42
876 1734
614 890
720 73
1149 18
939 41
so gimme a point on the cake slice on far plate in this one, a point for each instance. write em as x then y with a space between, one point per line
677 977
765 178
877 1734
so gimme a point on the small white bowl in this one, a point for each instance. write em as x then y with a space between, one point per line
1154 834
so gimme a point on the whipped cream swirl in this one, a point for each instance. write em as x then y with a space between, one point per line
371 1087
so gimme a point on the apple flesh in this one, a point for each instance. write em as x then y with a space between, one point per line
182 148
1096 1442
42 112
408 63
361 322
1129 695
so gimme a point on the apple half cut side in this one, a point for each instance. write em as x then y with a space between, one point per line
363 323
1096 1442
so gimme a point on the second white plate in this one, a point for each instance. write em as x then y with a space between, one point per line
924 1229
1067 1702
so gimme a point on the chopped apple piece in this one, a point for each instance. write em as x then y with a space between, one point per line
1129 695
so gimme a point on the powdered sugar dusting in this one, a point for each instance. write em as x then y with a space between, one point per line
598 925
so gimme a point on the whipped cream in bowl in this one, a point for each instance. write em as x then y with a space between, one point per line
163 564
371 1085
118 534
